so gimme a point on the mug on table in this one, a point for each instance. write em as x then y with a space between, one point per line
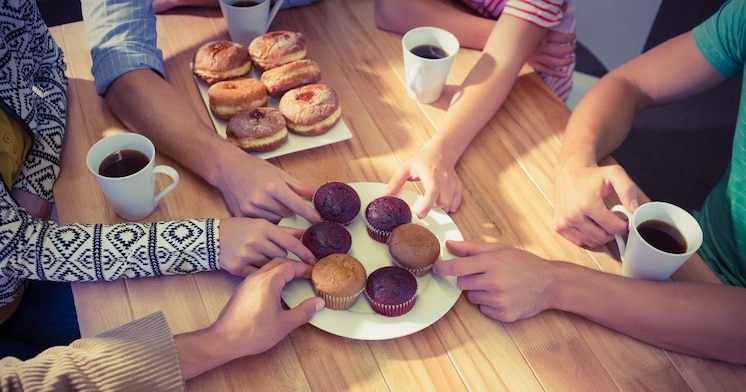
248 19
428 55
661 238
123 165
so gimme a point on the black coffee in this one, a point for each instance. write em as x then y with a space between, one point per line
662 236
245 3
123 163
429 52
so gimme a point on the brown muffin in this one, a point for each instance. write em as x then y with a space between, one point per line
414 247
339 279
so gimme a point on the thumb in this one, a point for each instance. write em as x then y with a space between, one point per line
470 247
302 313
625 189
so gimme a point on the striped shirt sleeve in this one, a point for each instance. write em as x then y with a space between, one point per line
122 37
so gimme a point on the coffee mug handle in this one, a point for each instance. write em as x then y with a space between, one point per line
169 171
413 79
273 13
619 239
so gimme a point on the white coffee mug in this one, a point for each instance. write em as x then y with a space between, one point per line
425 77
248 19
640 257
132 196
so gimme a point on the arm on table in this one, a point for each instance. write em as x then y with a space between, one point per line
508 284
474 103
143 356
672 71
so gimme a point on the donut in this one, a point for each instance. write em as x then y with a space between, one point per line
291 75
276 48
229 97
310 110
221 60
261 129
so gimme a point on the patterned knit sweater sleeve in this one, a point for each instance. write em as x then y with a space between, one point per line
34 249
139 356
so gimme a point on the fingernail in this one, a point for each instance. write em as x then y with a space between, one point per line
320 305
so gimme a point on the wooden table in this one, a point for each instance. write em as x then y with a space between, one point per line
507 176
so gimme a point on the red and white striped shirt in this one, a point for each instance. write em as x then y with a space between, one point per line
557 15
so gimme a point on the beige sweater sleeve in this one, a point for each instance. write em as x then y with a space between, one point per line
139 356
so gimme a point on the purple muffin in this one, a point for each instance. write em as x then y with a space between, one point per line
391 291
337 202
384 214
325 238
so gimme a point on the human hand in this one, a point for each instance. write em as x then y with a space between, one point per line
553 54
506 283
580 214
255 188
252 321
442 187
246 244
36 206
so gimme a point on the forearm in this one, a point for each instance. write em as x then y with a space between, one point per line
488 84
692 318
149 105
600 123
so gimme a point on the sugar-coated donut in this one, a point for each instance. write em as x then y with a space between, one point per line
221 60
229 97
262 129
276 48
310 110
291 75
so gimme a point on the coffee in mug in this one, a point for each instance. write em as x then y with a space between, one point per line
245 3
429 52
123 163
662 236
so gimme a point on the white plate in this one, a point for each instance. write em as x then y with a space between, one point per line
295 143
435 294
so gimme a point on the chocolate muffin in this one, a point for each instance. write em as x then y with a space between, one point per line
338 279
326 237
337 202
384 214
391 291
414 248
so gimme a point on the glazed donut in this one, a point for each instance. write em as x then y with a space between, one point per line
221 60
291 75
310 110
276 48
229 97
262 129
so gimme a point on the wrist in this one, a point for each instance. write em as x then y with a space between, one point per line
203 350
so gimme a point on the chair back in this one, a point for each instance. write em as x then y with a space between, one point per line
615 31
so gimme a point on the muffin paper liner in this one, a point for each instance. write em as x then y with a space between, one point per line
418 272
339 303
391 310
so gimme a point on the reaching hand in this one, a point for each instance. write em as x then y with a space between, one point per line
580 214
554 53
442 187
254 315
252 321
506 283
253 187
246 244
